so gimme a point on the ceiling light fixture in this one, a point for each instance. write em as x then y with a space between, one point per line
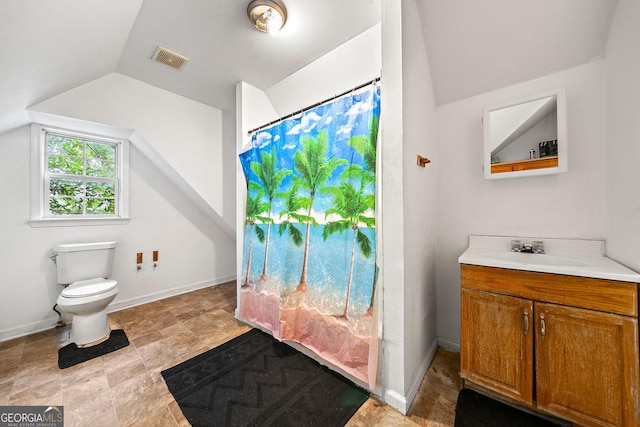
268 16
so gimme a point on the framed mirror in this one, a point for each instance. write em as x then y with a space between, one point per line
527 137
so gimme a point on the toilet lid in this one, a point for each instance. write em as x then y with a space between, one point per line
85 288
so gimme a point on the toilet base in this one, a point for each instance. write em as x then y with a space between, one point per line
89 329
96 342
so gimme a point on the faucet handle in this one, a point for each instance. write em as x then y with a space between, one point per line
538 246
516 246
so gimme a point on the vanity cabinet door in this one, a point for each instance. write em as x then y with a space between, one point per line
587 365
496 343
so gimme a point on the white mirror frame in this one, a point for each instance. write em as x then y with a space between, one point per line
563 148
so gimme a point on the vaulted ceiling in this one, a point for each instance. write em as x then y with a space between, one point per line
49 47
475 46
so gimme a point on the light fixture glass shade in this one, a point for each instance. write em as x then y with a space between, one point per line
268 16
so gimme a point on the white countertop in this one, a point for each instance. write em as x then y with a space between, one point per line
573 257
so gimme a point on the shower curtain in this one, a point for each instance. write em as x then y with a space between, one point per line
309 271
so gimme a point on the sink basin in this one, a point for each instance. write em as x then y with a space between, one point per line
573 257
536 259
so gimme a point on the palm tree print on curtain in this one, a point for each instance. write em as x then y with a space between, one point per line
312 178
255 208
314 168
269 179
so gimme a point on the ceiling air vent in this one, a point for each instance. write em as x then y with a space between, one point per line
172 59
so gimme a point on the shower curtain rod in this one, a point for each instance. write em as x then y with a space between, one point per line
317 104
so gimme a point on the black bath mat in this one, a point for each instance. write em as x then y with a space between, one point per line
71 354
254 380
476 410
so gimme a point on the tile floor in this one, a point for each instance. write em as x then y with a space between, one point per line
125 388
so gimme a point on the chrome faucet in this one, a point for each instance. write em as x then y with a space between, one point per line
537 247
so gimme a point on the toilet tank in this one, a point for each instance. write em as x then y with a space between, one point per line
82 261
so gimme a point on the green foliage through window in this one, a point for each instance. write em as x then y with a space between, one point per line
82 175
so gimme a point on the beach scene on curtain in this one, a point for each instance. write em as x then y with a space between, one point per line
309 272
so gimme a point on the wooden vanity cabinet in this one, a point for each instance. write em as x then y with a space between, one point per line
496 351
561 345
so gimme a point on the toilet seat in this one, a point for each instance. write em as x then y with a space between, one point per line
85 288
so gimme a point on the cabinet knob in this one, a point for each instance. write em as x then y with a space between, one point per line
526 321
543 327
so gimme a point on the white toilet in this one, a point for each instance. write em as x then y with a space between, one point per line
85 267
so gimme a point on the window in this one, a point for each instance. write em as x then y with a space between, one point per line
80 177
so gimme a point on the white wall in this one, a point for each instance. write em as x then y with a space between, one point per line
408 128
188 135
419 216
193 251
392 275
196 248
623 135
570 205
342 69
228 211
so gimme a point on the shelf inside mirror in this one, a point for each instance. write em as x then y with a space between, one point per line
528 164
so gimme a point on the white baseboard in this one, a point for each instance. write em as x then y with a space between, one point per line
395 400
403 403
144 299
424 367
50 323
28 329
449 345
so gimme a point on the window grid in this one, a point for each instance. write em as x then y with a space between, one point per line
82 184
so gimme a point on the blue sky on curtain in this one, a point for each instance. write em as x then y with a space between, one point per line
309 270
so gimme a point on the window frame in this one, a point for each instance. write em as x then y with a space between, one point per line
40 179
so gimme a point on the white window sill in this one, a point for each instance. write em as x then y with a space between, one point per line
76 222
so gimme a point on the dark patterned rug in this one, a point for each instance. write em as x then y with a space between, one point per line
476 410
254 380
71 354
